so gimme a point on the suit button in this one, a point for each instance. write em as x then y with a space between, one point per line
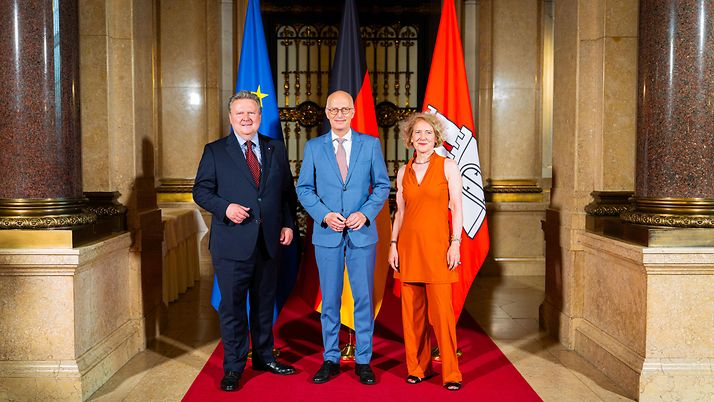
260 200
344 188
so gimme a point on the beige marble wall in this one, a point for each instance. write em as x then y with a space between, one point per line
507 48
230 47
648 318
593 138
515 57
118 89
517 246
90 295
190 68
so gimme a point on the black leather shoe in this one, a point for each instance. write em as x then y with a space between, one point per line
230 381
327 370
365 373
274 367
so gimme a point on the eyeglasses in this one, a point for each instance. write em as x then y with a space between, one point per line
332 111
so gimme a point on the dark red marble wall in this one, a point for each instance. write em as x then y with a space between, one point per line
40 150
675 113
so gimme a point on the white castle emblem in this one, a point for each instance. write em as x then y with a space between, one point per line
464 150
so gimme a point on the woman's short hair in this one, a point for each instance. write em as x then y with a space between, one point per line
407 126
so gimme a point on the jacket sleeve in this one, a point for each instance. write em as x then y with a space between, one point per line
205 187
307 188
380 184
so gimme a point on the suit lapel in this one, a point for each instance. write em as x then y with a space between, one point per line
330 155
266 156
234 151
354 153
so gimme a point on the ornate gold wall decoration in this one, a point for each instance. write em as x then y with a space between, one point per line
44 213
676 212
609 203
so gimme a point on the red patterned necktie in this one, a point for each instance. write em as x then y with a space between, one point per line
252 161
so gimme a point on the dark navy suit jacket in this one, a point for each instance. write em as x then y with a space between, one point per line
223 178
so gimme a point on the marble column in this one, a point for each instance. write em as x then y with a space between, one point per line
41 182
675 128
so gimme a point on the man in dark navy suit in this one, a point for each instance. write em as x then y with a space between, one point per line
244 180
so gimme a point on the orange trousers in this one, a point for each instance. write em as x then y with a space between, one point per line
424 303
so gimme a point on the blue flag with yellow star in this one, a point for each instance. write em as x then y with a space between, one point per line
255 75
254 72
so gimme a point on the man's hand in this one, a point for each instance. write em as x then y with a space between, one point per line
335 221
286 236
356 220
237 213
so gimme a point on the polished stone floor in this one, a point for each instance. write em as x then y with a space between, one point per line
505 307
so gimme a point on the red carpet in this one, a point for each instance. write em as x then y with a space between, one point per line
487 373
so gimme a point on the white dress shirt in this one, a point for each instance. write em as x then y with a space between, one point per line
347 144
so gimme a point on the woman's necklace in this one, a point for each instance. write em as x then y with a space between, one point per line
428 159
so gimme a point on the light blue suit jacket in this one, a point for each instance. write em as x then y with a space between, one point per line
321 190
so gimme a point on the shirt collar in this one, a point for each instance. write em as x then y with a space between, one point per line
347 137
242 141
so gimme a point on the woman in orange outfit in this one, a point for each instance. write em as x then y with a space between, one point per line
424 253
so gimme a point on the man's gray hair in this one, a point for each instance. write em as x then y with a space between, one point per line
245 94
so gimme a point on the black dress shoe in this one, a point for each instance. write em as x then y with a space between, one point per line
327 370
365 373
274 367
230 381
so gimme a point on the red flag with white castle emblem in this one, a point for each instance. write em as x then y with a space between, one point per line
447 96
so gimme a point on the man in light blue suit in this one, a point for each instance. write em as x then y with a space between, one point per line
338 170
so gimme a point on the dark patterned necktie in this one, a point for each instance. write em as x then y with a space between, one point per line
253 164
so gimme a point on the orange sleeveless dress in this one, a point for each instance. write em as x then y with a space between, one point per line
424 236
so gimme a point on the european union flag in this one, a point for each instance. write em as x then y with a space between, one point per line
254 75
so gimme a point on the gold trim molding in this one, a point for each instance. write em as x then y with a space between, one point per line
45 222
23 213
676 212
513 186
175 190
684 221
513 190
175 186
609 203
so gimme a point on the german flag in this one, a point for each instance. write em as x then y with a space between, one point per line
349 73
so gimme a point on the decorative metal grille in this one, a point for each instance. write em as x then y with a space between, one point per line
304 61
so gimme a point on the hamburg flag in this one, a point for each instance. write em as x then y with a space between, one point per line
447 96
349 74
254 75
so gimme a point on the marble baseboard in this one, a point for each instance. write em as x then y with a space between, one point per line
69 319
647 317
71 379
646 379
615 360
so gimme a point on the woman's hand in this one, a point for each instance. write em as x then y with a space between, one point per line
453 256
393 257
